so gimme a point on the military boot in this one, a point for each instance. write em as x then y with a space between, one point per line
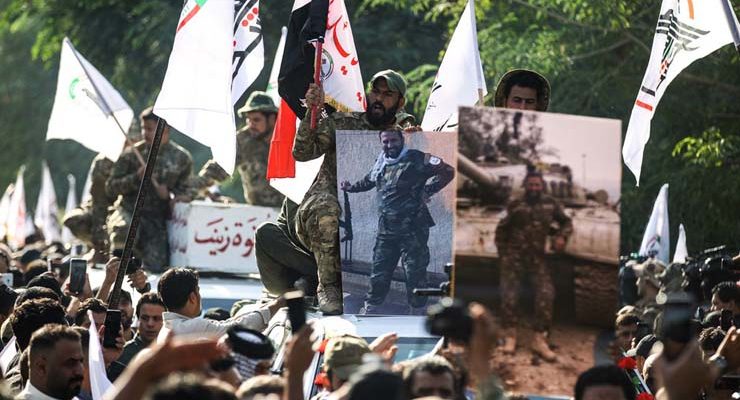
330 299
541 348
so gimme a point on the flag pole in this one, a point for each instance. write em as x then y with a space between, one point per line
317 78
731 22
115 293
480 97
105 104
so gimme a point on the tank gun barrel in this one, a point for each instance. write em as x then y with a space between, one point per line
468 168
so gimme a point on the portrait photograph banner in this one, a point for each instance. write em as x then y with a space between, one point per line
537 223
397 194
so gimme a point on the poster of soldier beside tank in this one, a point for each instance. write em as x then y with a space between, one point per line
397 193
538 218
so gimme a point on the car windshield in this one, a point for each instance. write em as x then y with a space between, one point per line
412 347
217 303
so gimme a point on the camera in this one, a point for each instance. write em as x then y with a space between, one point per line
450 319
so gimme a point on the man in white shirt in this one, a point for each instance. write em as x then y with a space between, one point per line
178 288
56 364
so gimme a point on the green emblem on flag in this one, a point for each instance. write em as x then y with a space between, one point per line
72 87
188 12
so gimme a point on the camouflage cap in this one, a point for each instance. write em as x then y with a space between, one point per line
212 170
258 101
393 79
543 95
343 355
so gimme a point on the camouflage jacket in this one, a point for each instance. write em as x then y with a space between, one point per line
311 145
527 226
100 171
251 159
173 169
403 189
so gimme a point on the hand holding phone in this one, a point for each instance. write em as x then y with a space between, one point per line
77 275
296 309
112 328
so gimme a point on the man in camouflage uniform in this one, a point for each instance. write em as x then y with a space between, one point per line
169 182
317 217
210 174
87 222
405 179
253 149
521 237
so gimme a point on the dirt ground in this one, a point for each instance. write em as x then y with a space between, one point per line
525 373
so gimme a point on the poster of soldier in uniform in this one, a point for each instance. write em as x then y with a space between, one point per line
537 228
397 193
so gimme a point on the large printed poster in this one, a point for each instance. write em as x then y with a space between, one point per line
397 193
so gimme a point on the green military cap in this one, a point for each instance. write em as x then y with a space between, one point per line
258 101
343 355
393 79
543 91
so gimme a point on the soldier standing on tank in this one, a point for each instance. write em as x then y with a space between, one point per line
253 148
170 183
405 180
317 217
521 238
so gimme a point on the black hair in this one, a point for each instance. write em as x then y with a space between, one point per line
30 316
175 286
524 79
148 298
610 375
147 114
46 280
435 365
727 291
710 339
92 304
36 292
190 386
46 337
126 296
7 300
398 132
216 314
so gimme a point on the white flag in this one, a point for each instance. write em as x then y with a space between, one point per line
8 354
681 251
99 383
5 209
86 195
686 32
67 236
655 240
195 97
272 83
343 89
459 79
46 217
87 106
16 223
249 48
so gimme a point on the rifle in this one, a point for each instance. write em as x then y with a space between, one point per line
347 225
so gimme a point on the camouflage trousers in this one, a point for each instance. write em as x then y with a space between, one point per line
89 227
280 261
317 227
151 245
514 266
413 251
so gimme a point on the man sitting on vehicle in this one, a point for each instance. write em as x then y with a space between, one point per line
178 288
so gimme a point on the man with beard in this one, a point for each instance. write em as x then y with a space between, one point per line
317 217
405 180
253 148
56 368
521 237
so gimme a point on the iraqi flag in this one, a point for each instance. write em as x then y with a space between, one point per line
681 252
342 83
655 240
459 81
687 30
196 96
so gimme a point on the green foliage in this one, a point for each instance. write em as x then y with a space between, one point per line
711 149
